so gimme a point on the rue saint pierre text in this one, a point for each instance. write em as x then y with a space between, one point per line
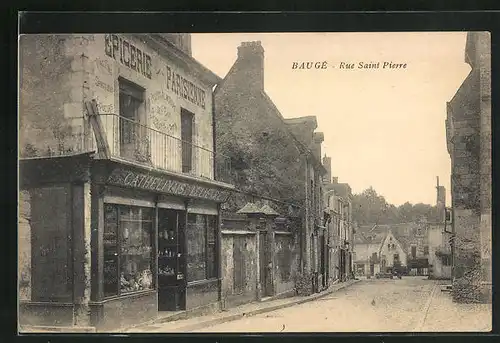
347 65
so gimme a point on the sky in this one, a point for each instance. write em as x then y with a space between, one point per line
383 128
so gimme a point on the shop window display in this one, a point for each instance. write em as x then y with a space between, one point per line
127 249
201 253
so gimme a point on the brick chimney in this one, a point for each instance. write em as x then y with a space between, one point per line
318 138
440 201
327 163
251 62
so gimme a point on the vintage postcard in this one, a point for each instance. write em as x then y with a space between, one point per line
255 182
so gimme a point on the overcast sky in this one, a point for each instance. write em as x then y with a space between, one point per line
383 128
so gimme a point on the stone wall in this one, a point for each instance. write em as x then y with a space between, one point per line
483 58
470 137
47 70
24 246
232 294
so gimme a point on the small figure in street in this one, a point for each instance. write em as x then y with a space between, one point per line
373 302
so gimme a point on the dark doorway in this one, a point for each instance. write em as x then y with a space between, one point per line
266 281
342 265
171 260
239 271
322 267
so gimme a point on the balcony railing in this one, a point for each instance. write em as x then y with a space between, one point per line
135 142
131 141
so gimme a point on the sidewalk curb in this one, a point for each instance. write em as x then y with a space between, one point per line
37 329
233 317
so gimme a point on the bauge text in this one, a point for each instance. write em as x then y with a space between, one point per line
348 65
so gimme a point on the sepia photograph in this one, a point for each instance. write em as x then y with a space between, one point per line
254 182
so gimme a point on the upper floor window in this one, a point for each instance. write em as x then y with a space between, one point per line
134 140
426 250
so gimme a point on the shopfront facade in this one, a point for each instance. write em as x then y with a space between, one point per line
133 251
124 206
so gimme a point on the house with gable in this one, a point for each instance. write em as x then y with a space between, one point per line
273 158
391 253
377 248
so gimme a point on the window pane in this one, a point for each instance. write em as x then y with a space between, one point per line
211 253
110 250
196 254
135 255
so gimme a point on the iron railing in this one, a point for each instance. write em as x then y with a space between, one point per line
132 141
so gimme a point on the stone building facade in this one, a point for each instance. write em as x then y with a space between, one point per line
120 186
468 127
271 156
340 227
438 237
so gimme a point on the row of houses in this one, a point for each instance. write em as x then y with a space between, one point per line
458 246
149 184
417 248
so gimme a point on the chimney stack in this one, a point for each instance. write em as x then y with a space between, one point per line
327 163
440 201
318 138
251 60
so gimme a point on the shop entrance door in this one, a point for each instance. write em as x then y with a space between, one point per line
171 260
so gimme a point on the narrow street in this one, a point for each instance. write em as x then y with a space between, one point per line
384 305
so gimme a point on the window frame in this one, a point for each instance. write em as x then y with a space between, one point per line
207 276
136 125
188 148
119 245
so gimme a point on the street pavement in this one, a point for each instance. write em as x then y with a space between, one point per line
412 304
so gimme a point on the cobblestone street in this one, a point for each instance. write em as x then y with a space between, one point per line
411 304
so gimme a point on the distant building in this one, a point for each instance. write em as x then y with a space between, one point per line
412 239
377 250
340 227
468 131
439 234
